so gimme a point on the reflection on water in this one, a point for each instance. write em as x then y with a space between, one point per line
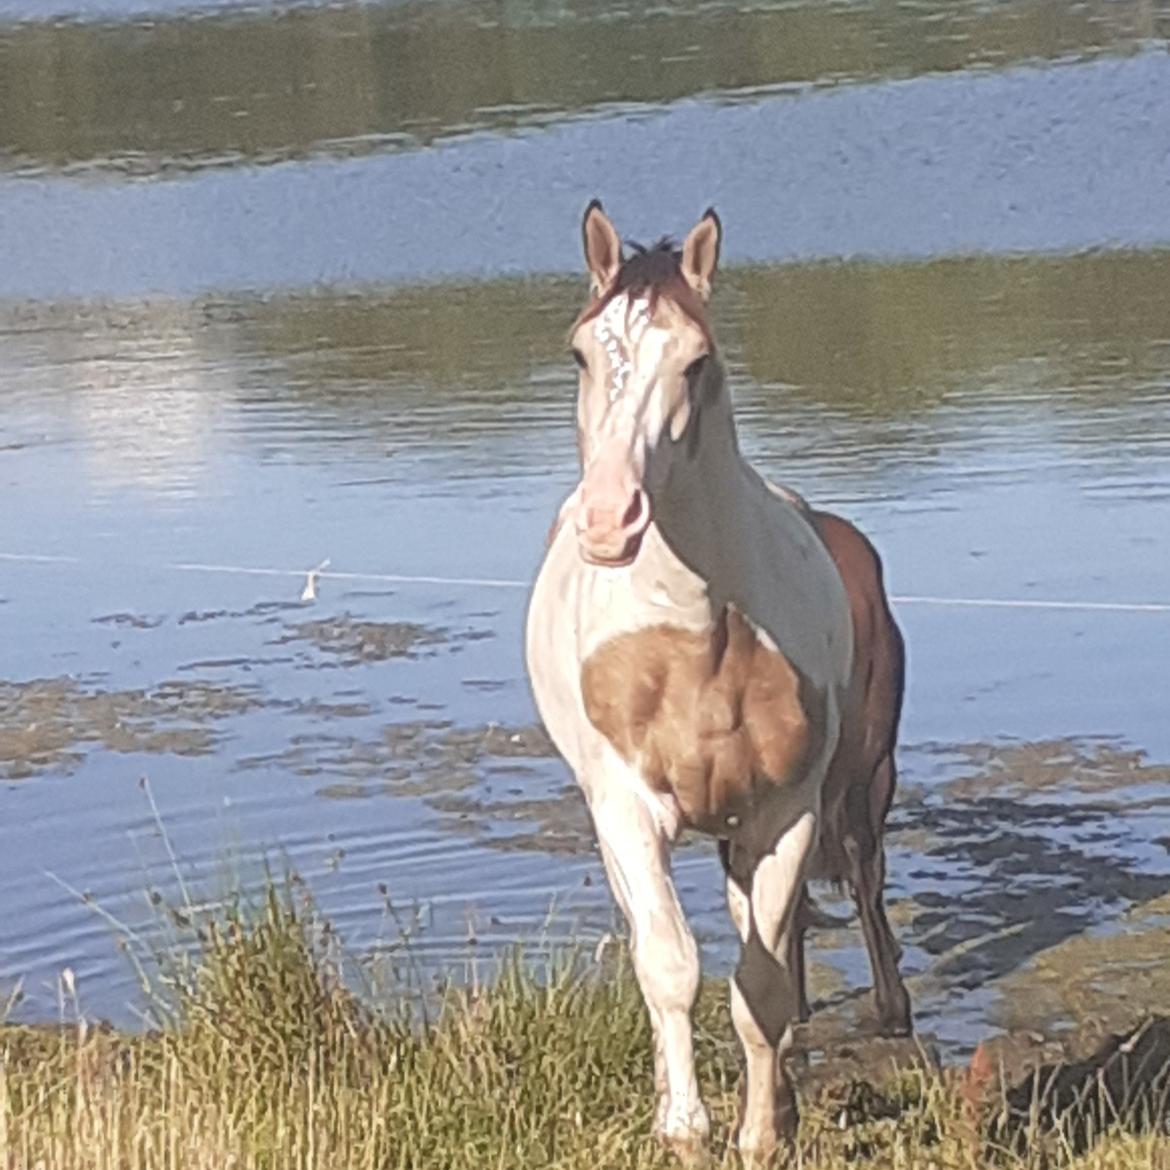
890 340
144 414
873 341
346 79
1000 426
472 381
1059 159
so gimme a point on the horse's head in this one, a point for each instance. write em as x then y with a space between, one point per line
643 347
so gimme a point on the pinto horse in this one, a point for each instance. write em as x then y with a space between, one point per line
708 652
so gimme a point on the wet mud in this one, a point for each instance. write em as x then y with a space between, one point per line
1055 767
1094 984
431 758
50 724
347 641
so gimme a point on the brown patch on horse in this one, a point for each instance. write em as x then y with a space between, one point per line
655 272
705 716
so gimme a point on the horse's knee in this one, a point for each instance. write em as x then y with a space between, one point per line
765 991
778 881
666 959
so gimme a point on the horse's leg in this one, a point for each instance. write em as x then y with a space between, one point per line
796 935
765 997
867 876
666 960
739 905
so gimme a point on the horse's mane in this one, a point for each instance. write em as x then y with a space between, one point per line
654 271
648 268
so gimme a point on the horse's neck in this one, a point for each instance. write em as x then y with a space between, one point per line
723 536
703 514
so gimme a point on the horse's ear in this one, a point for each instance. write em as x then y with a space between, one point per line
700 256
603 247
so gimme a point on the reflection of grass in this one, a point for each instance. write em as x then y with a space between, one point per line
349 78
263 1056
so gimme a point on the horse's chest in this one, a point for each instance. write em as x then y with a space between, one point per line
714 718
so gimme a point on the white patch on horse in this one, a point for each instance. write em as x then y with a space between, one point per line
618 328
740 908
762 636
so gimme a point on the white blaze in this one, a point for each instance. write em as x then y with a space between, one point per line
618 329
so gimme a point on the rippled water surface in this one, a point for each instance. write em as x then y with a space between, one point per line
287 284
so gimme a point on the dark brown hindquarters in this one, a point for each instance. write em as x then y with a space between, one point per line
860 786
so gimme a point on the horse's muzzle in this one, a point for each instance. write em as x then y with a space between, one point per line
610 526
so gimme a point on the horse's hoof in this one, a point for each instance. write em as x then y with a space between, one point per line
685 1133
759 1155
771 1146
895 1027
690 1151
894 1019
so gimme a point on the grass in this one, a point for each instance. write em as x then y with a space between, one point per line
262 1057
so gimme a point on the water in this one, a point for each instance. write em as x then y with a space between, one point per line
288 283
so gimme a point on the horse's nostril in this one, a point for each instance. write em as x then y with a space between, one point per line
634 511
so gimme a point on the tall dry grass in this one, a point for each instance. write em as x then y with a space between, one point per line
263 1058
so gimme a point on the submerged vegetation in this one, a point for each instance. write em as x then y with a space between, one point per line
258 1053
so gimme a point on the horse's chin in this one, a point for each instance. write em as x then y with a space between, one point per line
622 560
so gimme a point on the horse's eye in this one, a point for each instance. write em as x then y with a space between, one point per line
579 358
696 367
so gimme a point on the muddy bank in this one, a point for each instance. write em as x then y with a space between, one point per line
1097 983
